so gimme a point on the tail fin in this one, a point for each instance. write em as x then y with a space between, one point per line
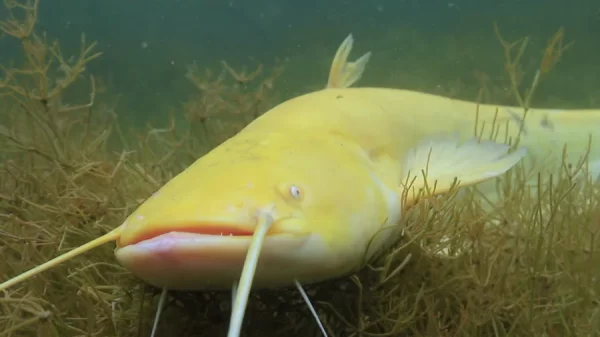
343 73
548 131
437 165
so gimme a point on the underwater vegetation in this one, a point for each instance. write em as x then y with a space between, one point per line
70 172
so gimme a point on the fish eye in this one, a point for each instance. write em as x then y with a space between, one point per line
295 192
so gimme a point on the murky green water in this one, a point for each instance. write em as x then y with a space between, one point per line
442 47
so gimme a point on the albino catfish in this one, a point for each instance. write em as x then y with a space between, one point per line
313 188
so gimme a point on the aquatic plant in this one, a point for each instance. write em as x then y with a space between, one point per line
68 173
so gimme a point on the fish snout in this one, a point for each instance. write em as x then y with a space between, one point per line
183 260
210 217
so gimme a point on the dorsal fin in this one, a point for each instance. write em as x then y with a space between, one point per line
343 73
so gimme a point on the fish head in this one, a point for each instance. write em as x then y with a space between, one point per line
195 231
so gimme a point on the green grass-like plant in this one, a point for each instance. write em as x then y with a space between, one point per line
69 173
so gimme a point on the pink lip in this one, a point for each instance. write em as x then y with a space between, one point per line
192 261
221 230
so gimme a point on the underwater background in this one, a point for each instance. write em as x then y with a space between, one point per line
179 78
443 47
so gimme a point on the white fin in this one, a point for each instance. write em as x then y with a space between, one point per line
444 160
240 299
161 305
343 73
310 307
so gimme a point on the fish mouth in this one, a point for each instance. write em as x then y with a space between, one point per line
211 227
218 227
209 257
203 230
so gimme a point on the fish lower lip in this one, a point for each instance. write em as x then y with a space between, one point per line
217 230
190 261
175 237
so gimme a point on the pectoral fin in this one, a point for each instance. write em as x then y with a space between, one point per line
436 165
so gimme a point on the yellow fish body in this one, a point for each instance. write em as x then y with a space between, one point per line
330 169
330 164
346 153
